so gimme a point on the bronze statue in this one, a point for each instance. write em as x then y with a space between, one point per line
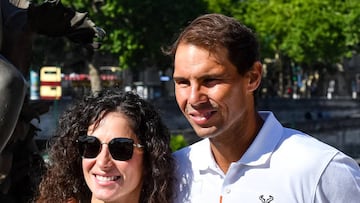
20 21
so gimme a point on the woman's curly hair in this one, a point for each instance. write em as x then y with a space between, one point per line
64 178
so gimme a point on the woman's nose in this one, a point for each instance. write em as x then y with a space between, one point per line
104 159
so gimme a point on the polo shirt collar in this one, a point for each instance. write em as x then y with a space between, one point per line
265 142
258 153
205 159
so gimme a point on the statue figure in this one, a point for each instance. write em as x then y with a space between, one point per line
20 21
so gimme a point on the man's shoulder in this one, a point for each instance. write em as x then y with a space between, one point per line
299 140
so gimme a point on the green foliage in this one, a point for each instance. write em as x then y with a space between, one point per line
177 142
137 29
220 6
307 31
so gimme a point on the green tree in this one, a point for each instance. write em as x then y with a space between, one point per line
137 29
309 33
305 30
221 6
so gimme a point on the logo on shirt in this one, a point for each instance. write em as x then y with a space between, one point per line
268 200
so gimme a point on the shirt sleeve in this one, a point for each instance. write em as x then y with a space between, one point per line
340 181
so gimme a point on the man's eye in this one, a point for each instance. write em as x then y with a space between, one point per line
211 82
182 82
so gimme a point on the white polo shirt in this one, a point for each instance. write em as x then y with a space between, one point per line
282 165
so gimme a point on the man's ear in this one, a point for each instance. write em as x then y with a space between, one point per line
254 75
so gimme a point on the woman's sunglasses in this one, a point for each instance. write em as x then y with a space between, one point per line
121 149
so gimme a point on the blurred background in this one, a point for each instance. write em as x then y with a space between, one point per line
310 51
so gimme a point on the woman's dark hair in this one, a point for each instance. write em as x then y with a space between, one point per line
64 178
216 32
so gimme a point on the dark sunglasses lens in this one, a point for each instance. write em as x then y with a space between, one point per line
121 149
89 147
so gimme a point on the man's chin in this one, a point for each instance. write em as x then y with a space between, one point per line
203 132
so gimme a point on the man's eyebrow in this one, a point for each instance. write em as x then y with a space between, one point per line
178 78
204 76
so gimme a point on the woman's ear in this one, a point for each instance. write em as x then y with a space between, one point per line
254 75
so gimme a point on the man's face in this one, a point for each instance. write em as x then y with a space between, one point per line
210 92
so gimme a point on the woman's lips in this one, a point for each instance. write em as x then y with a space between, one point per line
106 180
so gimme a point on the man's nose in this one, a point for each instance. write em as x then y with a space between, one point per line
197 95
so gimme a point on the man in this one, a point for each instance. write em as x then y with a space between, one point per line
245 155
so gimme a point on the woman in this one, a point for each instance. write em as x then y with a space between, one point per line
110 147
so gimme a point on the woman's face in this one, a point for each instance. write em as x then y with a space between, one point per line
112 180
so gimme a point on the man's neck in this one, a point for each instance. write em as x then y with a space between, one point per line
232 147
